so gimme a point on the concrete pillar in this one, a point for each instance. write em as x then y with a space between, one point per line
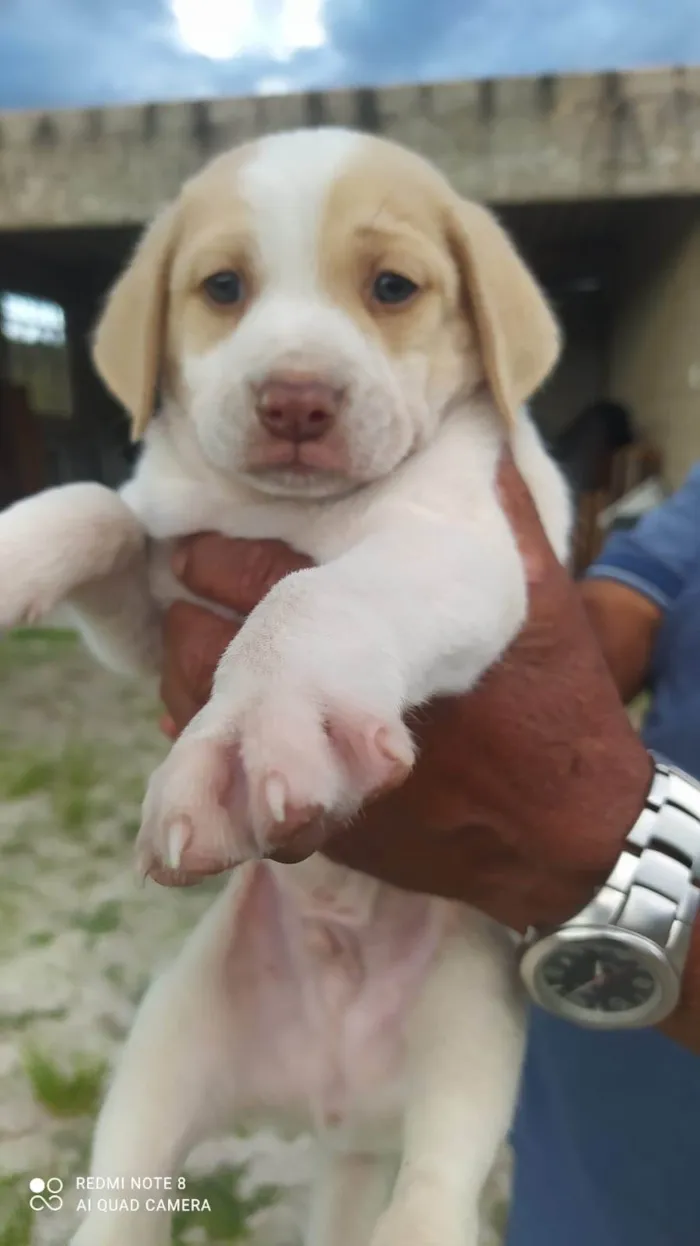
655 355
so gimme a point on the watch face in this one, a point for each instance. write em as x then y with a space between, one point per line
608 980
600 976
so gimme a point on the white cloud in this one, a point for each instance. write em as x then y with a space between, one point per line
223 29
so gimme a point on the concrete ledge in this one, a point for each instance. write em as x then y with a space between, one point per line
505 140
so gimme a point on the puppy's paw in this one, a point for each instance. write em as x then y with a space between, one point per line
262 773
28 589
53 542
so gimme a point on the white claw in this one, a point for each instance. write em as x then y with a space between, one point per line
177 838
276 796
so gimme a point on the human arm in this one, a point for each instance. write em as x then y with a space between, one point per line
524 790
637 578
626 624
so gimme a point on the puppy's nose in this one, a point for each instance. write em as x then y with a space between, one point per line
298 408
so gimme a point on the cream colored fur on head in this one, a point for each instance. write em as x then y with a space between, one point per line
346 207
310 997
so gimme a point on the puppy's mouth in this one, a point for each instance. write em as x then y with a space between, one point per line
302 458
307 468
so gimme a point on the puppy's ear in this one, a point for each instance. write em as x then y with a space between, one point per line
518 335
129 339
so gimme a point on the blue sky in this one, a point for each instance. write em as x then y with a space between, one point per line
90 52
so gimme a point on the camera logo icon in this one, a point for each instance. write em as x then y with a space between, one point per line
46 1195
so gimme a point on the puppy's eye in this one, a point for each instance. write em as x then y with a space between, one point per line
393 288
224 288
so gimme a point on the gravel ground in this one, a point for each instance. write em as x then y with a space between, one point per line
80 939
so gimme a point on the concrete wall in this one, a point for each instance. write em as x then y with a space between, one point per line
506 140
655 344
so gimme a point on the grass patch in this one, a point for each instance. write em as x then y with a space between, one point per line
67 778
227 1221
48 636
132 789
78 1093
18 847
16 1216
27 646
102 920
115 974
25 777
9 909
11 1023
75 777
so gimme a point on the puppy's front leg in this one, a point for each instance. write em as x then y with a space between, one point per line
465 1053
306 713
77 554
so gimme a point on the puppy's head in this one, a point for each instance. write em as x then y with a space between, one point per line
315 302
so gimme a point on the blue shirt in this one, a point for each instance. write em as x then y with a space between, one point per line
607 1135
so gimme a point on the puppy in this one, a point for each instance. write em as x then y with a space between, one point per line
341 348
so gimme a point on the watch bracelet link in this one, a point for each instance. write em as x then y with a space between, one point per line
654 889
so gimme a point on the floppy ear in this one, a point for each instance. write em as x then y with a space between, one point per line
128 342
518 335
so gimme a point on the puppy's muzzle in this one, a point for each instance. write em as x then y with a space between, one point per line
297 407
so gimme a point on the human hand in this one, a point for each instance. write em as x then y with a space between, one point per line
524 788
234 574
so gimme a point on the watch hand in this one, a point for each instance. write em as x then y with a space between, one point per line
584 986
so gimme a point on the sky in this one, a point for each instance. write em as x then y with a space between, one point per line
69 53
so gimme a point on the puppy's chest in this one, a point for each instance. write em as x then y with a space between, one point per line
175 495
321 534
324 974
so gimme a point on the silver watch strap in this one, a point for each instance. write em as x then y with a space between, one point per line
654 890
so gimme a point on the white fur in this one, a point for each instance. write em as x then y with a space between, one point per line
419 588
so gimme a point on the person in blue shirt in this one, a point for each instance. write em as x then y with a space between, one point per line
607 1139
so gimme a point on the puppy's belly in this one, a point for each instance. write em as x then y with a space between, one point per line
322 994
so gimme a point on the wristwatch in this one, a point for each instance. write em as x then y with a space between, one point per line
618 964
